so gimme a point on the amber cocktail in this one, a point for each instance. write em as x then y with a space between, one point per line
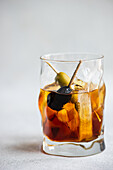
72 107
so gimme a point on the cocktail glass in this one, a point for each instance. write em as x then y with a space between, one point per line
71 103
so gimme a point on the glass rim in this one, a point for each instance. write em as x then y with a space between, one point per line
46 57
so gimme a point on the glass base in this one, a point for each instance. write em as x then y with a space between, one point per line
74 148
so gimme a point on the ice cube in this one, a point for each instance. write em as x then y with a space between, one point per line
70 108
73 116
97 121
50 113
94 99
63 116
102 92
98 97
85 116
72 125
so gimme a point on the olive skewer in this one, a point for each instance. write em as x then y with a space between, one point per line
56 100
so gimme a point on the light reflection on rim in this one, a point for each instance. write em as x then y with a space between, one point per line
46 57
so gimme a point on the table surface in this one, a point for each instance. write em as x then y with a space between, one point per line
21 136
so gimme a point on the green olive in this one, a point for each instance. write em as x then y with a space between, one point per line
62 79
74 99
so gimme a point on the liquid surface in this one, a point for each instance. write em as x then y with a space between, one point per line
78 120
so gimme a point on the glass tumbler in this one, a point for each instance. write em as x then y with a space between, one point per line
71 103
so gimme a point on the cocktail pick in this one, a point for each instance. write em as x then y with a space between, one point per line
62 78
56 100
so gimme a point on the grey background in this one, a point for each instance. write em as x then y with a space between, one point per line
28 29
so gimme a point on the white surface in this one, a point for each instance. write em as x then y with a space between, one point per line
29 29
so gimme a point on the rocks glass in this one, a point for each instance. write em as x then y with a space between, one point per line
71 103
